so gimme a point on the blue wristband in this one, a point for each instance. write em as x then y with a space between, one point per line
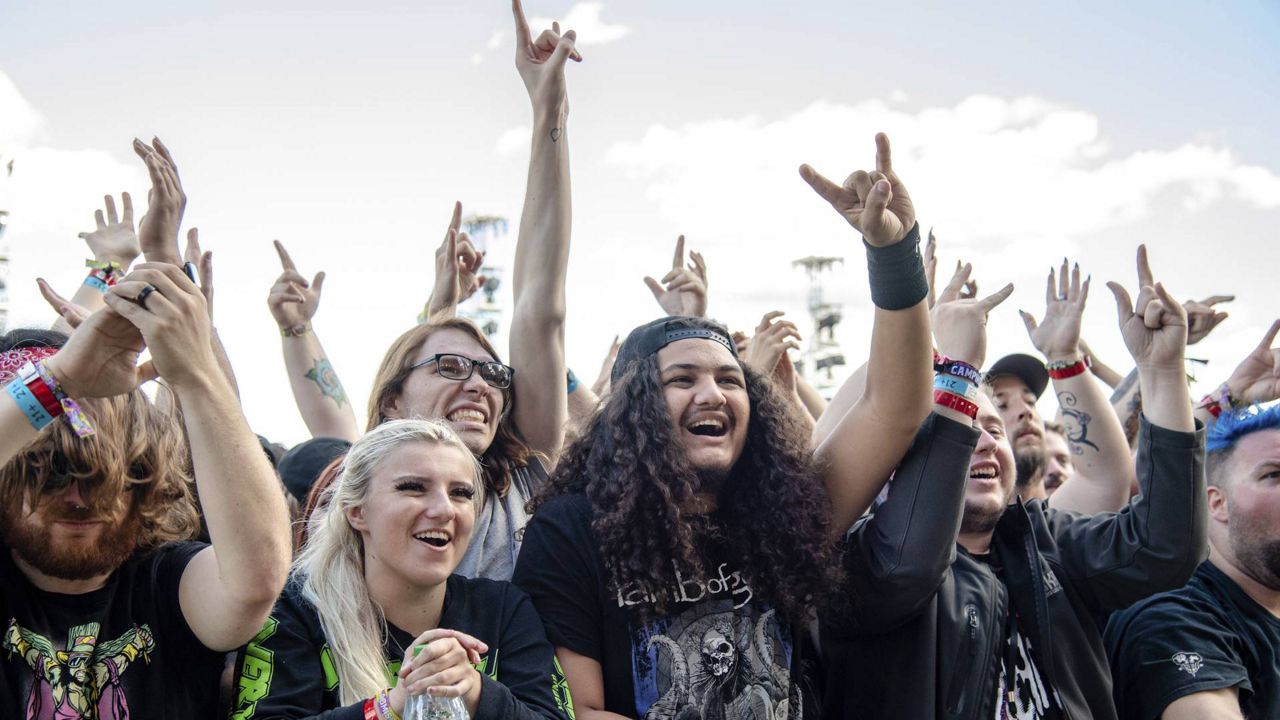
956 386
96 283
573 381
29 404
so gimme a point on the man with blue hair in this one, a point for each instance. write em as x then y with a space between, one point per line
1212 649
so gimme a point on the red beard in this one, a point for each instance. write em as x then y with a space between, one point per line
31 538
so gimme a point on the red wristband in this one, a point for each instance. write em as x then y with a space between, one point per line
370 712
955 402
42 392
1062 371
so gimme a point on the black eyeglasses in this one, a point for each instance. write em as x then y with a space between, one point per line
460 367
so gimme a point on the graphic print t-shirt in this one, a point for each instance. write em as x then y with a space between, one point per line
1207 635
718 652
123 652
1025 696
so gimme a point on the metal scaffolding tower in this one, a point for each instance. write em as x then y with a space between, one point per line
823 354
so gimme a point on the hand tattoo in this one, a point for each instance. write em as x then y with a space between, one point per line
322 374
1076 423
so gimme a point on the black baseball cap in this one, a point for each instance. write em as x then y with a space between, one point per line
1028 369
304 462
653 336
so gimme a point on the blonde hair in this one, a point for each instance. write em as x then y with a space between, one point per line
331 564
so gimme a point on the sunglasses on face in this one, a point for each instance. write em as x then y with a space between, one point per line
460 367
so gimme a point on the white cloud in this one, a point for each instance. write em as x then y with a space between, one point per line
512 141
584 18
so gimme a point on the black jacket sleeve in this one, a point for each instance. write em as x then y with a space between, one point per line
897 558
1156 542
280 674
529 685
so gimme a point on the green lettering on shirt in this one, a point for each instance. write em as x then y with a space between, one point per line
255 674
330 672
560 689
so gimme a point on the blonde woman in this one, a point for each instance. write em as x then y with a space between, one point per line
376 579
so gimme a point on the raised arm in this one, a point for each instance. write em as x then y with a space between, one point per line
114 246
1159 538
318 392
683 290
228 589
1255 380
1100 453
457 272
871 438
542 247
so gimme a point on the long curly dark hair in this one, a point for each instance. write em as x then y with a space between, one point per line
772 518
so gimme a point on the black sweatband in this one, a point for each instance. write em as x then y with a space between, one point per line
897 273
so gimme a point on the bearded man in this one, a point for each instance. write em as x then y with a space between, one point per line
109 613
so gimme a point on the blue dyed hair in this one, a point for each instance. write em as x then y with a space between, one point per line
1232 426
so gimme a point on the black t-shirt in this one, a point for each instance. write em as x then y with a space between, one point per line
1027 696
718 652
122 652
286 670
1207 635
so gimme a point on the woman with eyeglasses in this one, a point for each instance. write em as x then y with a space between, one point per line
376 581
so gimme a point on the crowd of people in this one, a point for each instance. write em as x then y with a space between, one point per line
699 534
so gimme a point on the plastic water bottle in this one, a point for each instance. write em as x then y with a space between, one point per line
430 707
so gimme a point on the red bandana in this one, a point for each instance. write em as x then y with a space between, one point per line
11 361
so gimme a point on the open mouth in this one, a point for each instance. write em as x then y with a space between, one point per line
434 538
708 427
984 472
466 415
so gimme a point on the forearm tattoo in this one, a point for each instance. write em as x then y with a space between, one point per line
1076 423
323 375
555 134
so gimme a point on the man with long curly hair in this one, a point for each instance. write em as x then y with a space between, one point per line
108 612
684 538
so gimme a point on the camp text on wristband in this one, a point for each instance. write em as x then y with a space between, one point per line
958 368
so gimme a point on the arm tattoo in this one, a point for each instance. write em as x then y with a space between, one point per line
322 374
1076 422
555 134
1124 386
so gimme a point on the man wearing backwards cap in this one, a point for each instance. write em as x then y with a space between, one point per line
1017 381
687 533
108 614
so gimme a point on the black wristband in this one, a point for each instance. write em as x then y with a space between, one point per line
897 272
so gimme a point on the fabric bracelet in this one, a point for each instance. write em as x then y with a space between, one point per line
958 368
955 402
295 330
384 706
97 283
956 386
28 403
896 272
71 410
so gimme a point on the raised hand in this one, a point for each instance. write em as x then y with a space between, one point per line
685 291
100 358
457 269
114 240
166 201
1058 336
960 324
172 318
203 262
875 203
770 344
1257 378
1155 329
1202 318
541 62
72 313
293 301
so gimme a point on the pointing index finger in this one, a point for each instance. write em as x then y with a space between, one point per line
523 37
286 262
677 262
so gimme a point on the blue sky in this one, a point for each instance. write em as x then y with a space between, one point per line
1035 130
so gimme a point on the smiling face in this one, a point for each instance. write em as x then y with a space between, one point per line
418 513
1017 407
991 472
706 395
472 407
